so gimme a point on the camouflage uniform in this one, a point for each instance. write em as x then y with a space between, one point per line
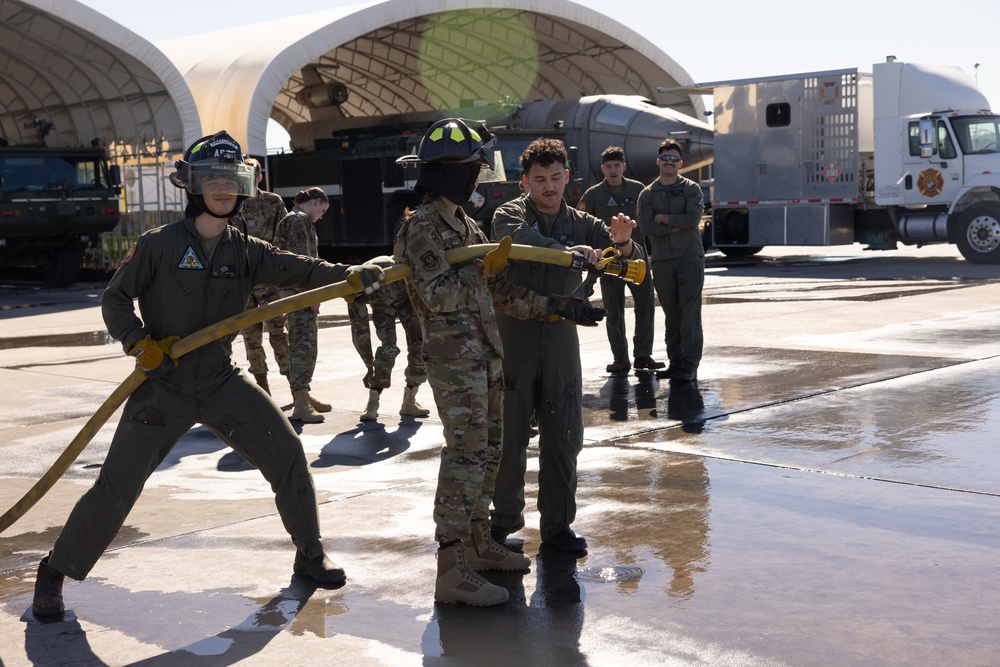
455 305
388 303
297 233
678 260
262 214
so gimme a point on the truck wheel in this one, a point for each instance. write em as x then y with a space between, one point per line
977 233
741 251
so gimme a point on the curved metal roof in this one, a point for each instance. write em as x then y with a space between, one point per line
397 57
93 79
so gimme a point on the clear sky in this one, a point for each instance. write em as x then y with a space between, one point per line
723 39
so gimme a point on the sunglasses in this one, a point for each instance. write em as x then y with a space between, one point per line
668 158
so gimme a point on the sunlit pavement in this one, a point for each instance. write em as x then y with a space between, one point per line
827 494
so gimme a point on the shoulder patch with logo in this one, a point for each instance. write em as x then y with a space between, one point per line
129 255
190 260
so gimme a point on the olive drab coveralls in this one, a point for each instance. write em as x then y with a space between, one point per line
602 202
542 372
456 306
180 290
678 259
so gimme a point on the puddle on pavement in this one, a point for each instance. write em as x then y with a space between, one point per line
58 340
871 291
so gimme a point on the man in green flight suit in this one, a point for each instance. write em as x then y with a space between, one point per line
670 211
617 194
542 371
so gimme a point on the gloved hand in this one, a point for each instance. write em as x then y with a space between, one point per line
496 259
365 277
153 356
575 310
369 376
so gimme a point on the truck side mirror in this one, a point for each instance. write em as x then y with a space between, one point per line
928 138
116 174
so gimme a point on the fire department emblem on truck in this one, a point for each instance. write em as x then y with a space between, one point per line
930 182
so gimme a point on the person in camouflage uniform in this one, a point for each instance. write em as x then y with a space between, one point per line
389 304
261 214
297 233
462 348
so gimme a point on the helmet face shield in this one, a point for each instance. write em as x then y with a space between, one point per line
229 178
492 171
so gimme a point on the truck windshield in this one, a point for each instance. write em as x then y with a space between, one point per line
50 172
977 134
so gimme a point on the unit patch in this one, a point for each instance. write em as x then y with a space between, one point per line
129 255
930 182
190 260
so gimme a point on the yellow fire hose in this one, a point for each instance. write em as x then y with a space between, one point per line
232 325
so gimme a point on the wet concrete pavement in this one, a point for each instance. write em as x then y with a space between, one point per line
828 494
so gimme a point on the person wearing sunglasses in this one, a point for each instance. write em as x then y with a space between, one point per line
669 214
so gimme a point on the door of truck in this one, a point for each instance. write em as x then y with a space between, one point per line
936 178
779 151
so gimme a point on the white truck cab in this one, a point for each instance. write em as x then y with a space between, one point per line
907 154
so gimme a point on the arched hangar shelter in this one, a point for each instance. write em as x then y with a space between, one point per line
92 79
376 59
72 79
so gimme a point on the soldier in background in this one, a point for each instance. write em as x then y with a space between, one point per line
670 210
297 233
262 213
605 200
388 304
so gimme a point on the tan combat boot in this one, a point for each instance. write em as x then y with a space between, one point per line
302 411
261 379
410 407
371 410
483 553
456 582
318 405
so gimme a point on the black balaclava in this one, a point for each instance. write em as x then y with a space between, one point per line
456 182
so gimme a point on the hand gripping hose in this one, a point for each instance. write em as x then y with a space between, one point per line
232 325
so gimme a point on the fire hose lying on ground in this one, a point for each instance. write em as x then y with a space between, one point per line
611 263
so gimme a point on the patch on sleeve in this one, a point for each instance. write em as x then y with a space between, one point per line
129 255
190 260
426 253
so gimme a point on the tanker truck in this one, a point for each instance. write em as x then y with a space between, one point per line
906 154
354 160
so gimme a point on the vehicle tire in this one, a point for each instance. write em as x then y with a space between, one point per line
741 251
977 233
64 265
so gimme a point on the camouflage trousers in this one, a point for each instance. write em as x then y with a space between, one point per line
384 318
469 398
303 331
253 335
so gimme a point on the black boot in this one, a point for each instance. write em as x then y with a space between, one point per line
48 591
322 570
